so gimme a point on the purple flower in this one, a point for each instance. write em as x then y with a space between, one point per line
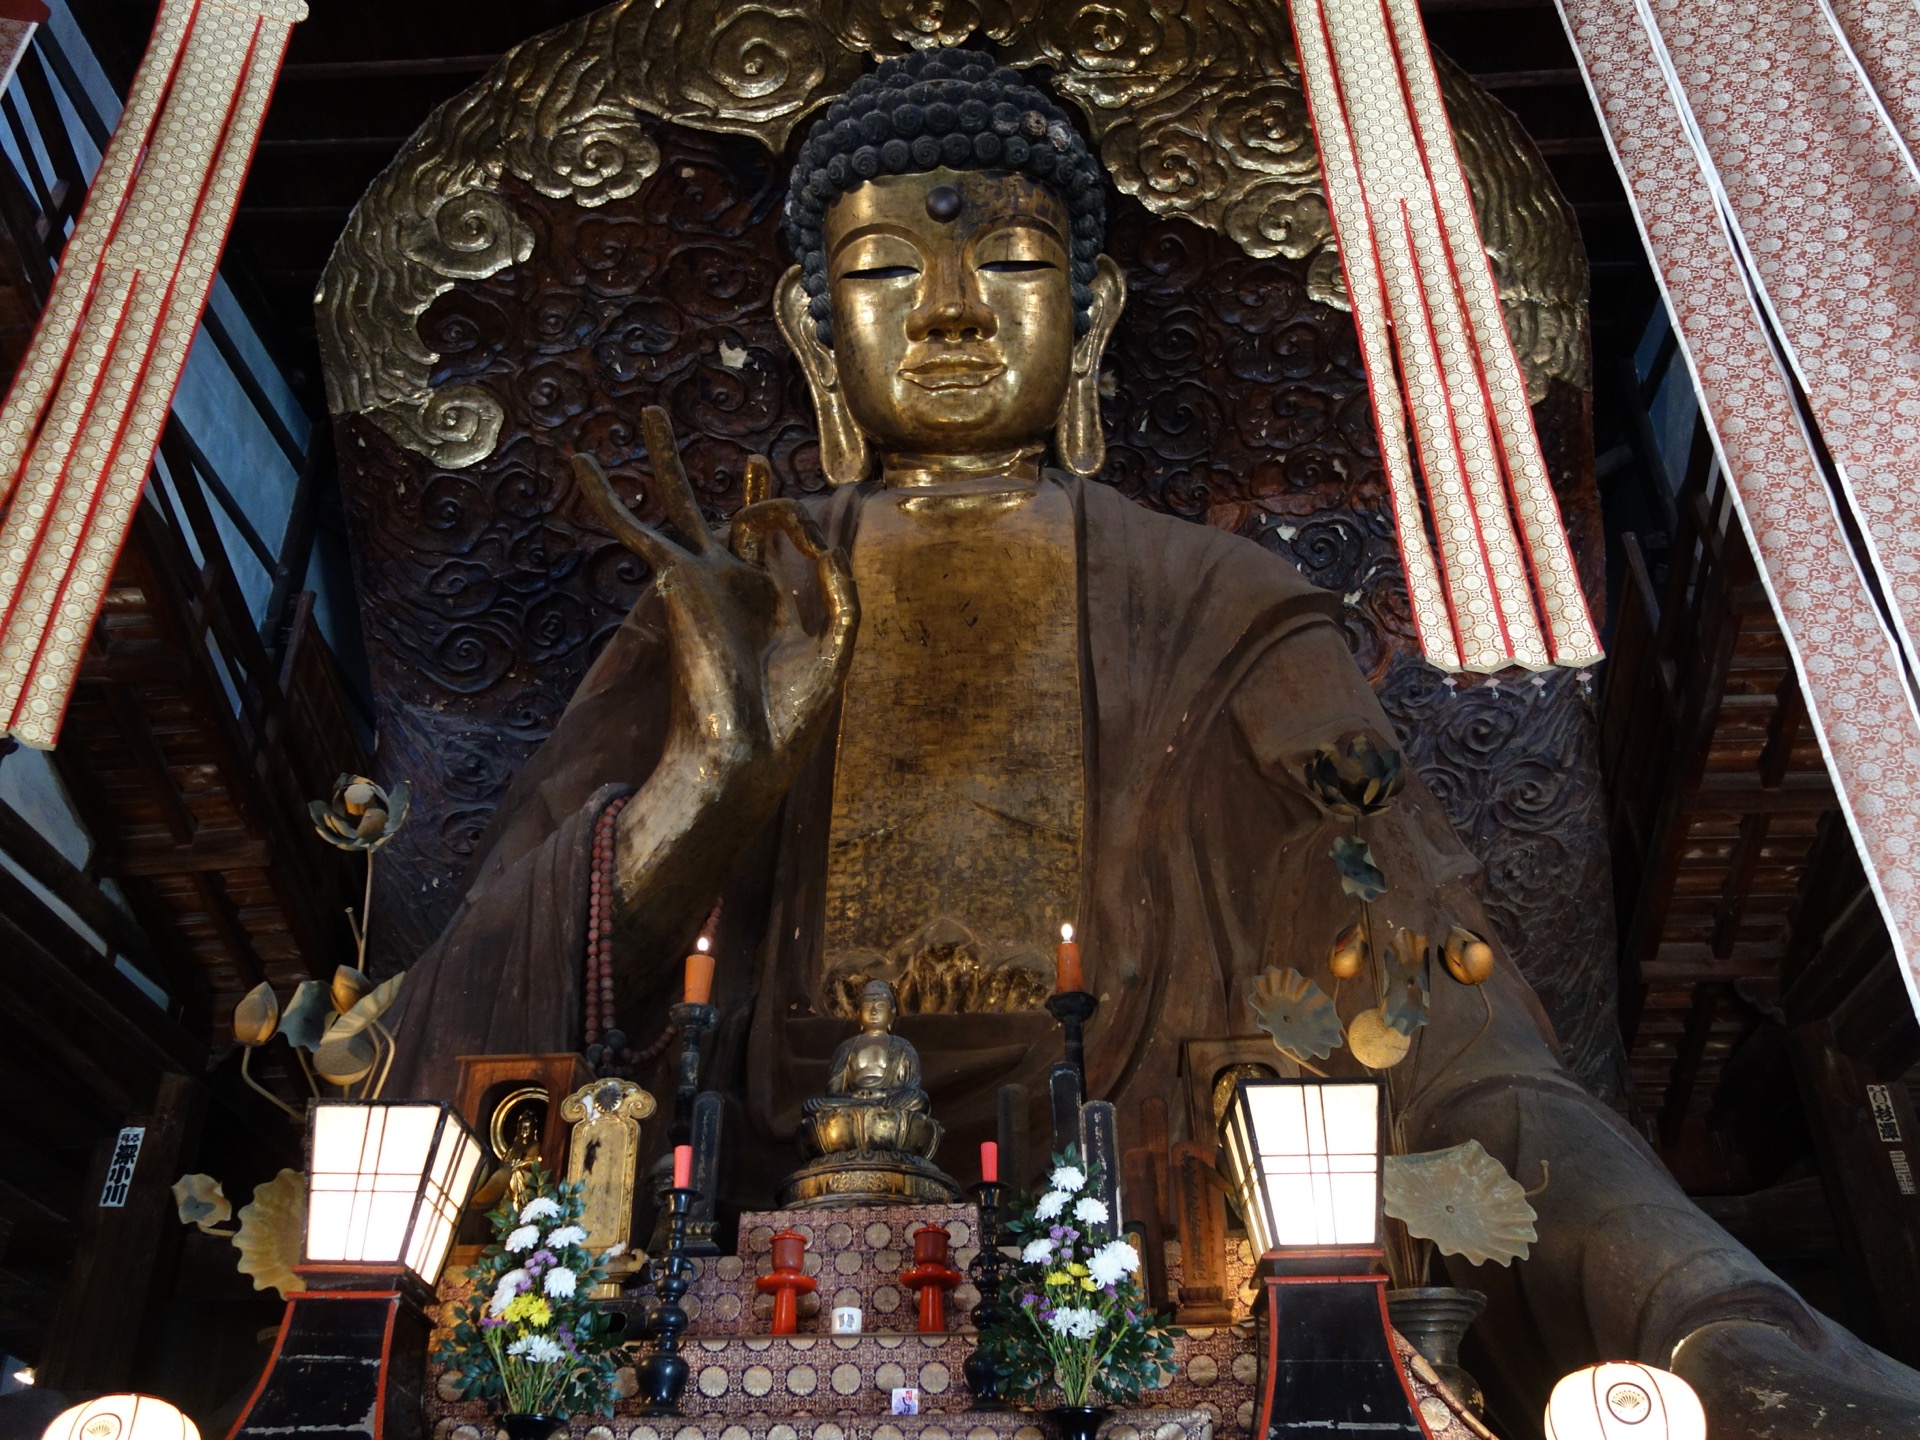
540 1259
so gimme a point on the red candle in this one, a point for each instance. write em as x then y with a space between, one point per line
1066 963
700 975
989 1161
682 1166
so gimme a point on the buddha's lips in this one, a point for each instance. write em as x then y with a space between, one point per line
954 372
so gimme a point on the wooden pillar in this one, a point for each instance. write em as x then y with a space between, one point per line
94 1339
1868 1144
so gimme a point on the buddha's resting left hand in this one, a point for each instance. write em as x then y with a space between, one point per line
752 693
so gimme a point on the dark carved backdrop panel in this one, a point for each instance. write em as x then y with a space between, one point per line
1232 398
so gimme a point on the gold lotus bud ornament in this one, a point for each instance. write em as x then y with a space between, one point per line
1469 959
1349 952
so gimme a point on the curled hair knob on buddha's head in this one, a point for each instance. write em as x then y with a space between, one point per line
934 108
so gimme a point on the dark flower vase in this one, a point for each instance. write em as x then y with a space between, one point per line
1435 1319
1077 1422
530 1427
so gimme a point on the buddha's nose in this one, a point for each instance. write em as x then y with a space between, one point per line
952 311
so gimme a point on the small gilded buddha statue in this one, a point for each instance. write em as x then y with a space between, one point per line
870 1139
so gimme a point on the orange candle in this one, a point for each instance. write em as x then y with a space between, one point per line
989 1161
1066 963
682 1166
700 975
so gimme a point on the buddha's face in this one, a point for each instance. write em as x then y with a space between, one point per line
876 1012
952 309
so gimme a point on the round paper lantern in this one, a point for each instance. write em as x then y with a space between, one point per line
122 1417
1624 1401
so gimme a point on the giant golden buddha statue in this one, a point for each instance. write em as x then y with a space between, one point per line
911 726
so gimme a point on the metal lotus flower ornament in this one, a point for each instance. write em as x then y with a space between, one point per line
1356 775
1404 1007
1463 1200
362 815
1297 1013
1359 876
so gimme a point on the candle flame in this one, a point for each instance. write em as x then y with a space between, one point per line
703 944
1066 934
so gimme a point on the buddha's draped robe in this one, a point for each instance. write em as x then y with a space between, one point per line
1211 672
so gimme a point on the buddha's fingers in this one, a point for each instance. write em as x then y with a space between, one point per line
605 502
671 487
814 681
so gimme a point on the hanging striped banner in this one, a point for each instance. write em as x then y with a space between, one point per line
79 428
1490 573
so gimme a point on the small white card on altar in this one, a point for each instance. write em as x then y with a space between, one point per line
906 1400
846 1319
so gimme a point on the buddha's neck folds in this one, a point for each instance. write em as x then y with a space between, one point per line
912 471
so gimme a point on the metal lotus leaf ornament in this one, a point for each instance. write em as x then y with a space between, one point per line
1359 876
345 1059
1297 1013
1356 775
1463 1200
1375 1043
362 815
1404 1007
202 1202
257 1016
304 1022
272 1231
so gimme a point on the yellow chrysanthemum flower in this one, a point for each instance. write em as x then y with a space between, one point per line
1059 1277
528 1310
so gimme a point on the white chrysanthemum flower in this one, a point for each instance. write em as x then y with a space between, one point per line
566 1235
525 1238
506 1288
543 1207
1038 1252
1111 1261
543 1350
519 1347
1051 1204
1093 1211
1076 1322
1067 1177
560 1282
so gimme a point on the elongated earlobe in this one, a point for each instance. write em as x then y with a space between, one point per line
843 448
1077 439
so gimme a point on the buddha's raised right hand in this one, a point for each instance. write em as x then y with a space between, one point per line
753 686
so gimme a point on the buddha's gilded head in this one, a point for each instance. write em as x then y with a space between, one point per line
951 299
878 1008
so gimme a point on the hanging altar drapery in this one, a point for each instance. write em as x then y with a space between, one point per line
1496 585
1768 153
79 427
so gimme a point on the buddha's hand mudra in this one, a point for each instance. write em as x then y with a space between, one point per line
753 686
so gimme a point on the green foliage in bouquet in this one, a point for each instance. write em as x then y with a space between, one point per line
1077 1319
527 1338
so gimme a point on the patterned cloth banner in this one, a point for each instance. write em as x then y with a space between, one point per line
78 431
1496 585
1778 199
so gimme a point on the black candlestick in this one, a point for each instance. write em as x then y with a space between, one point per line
693 1022
985 1376
662 1375
1073 1008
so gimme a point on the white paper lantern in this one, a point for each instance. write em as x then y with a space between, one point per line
1624 1401
122 1417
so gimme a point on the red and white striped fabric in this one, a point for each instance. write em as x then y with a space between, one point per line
1497 585
78 431
1768 152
